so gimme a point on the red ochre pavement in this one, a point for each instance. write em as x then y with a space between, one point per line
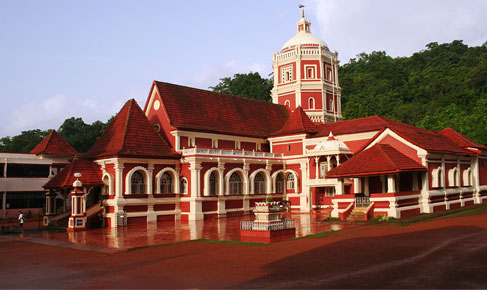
442 253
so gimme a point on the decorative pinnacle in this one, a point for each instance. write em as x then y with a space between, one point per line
301 6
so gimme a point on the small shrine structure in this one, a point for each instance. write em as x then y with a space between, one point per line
269 224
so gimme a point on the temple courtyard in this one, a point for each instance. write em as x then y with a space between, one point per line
441 252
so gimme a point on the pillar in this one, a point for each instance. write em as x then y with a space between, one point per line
268 169
391 183
317 169
357 186
339 188
195 211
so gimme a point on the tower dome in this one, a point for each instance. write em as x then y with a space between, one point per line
304 37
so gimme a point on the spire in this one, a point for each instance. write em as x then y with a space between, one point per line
303 23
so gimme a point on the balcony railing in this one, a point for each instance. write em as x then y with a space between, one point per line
272 226
230 153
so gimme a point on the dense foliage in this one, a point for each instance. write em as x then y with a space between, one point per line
443 85
250 85
78 134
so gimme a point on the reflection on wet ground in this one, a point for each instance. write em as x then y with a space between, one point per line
133 236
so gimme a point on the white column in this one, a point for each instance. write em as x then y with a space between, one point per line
317 169
195 208
177 144
391 183
118 179
339 188
150 168
328 160
246 188
195 168
268 169
357 185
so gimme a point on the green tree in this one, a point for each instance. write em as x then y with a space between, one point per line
442 85
250 85
24 142
81 135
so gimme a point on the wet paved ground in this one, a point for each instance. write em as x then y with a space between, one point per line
133 236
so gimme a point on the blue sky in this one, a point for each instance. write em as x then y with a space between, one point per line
60 59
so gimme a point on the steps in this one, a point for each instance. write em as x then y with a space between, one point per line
61 224
357 214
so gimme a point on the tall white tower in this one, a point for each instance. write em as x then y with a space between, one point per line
306 75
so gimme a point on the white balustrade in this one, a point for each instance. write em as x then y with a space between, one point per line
221 152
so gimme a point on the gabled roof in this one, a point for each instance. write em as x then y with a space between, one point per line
459 139
131 134
206 111
429 140
377 160
298 122
90 174
54 144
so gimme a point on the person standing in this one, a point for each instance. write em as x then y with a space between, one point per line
21 220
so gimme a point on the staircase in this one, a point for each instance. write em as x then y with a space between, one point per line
60 221
357 214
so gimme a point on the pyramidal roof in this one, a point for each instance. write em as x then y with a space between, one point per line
298 122
459 139
131 134
90 174
377 160
54 144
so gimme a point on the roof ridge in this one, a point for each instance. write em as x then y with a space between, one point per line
126 123
218 93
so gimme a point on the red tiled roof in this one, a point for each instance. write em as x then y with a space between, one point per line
54 144
377 160
206 111
90 174
459 139
429 140
298 122
131 134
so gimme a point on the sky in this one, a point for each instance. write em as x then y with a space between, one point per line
62 59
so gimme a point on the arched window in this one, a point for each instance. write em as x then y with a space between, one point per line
259 184
311 103
452 177
290 181
279 183
331 107
183 186
287 103
235 184
137 183
166 183
106 186
213 184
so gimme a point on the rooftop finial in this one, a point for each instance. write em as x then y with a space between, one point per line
301 6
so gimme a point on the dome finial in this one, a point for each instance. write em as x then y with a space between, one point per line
301 6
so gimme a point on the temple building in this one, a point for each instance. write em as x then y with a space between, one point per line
192 154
